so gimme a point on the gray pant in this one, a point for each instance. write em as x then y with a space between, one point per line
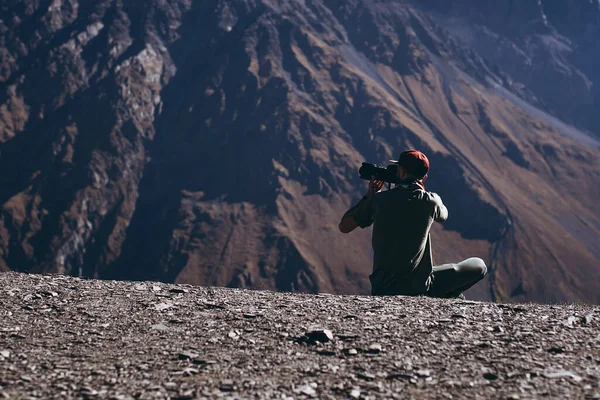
450 280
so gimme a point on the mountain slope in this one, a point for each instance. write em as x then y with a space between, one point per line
218 143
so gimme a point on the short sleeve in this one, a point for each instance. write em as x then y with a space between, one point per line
364 212
440 213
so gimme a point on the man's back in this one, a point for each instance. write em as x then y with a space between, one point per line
403 216
402 219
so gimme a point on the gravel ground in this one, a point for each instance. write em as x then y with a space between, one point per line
63 337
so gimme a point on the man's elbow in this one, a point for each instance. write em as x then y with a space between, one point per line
347 225
442 218
342 228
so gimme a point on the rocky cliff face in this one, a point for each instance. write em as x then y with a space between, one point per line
217 142
550 46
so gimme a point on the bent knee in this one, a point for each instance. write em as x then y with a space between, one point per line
474 265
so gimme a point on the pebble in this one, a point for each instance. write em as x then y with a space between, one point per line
188 355
563 374
233 335
319 335
163 306
490 376
423 372
556 350
572 320
227 385
308 390
160 327
375 348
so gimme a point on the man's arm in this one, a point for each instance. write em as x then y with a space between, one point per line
441 212
348 223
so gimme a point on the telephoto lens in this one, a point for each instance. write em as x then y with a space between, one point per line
388 174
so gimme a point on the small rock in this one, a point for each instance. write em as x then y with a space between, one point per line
162 306
375 348
190 371
319 335
178 290
398 376
423 373
16 336
366 376
563 374
213 305
351 352
188 355
556 350
4 353
586 320
307 390
469 302
160 327
355 393
347 337
490 376
186 395
226 385
326 353
572 320
498 329
233 334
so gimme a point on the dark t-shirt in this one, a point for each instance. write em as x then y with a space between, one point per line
401 241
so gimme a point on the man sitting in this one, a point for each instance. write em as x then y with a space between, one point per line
403 217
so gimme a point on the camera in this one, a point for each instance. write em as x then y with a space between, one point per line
387 174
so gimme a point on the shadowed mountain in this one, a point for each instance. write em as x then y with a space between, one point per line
218 142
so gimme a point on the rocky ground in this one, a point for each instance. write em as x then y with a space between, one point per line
63 337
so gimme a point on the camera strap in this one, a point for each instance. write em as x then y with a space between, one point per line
411 184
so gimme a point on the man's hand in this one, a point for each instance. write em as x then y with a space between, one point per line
348 224
374 186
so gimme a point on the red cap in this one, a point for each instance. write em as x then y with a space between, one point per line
415 162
